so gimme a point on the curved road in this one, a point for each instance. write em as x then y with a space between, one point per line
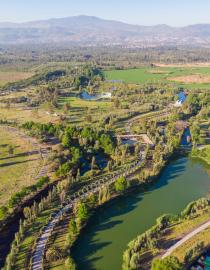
186 238
81 194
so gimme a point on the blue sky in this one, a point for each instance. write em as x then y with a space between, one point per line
145 12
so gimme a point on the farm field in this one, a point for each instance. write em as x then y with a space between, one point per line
19 164
190 77
13 76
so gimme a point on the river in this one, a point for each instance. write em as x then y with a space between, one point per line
101 245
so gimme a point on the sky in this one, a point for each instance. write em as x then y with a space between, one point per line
142 12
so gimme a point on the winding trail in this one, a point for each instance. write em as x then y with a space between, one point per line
81 194
186 238
38 255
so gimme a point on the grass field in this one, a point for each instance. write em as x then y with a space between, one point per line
184 227
13 76
80 108
22 114
160 74
17 169
203 154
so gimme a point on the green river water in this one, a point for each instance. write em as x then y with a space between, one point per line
101 245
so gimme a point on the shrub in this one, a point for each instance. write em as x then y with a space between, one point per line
169 263
121 184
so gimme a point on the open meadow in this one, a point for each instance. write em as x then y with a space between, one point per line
13 76
19 164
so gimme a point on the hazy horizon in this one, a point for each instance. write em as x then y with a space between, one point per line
80 15
140 12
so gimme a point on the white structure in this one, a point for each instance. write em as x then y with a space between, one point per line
178 103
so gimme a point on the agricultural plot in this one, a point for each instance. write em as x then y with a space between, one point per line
190 77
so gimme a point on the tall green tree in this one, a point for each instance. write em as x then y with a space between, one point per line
121 184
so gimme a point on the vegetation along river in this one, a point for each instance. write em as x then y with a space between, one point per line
101 245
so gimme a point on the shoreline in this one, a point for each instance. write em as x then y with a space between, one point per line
138 188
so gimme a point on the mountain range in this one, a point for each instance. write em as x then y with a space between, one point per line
90 31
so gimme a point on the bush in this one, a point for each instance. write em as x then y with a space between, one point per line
3 212
121 184
165 220
42 181
19 196
169 263
194 207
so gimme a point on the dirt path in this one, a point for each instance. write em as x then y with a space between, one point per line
186 238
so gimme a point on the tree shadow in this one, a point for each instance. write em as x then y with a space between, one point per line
15 163
4 145
85 247
169 173
24 154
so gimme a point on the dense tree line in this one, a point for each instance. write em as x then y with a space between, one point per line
23 57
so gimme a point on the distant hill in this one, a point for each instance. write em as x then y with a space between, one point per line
88 31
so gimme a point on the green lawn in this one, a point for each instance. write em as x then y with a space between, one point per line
158 74
81 103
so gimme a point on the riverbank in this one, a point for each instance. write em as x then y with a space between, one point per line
143 182
108 232
58 240
162 236
202 153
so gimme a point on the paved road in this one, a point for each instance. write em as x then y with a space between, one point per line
186 238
